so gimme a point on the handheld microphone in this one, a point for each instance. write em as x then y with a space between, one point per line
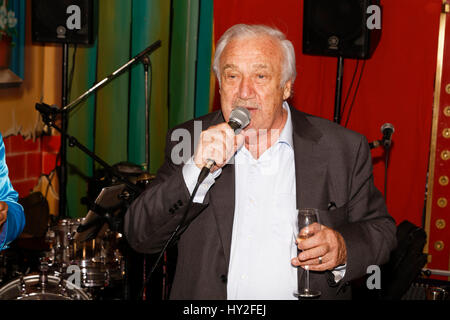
387 130
239 119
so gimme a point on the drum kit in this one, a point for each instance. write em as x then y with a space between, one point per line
72 268
83 256
86 255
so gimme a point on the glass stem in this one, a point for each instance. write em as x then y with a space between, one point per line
307 280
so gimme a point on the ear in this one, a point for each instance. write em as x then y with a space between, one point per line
287 89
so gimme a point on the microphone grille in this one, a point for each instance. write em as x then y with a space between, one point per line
387 126
240 115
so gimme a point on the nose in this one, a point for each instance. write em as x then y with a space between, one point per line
246 89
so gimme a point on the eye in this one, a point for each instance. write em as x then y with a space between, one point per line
231 76
261 76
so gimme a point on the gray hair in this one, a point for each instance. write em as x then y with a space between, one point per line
244 30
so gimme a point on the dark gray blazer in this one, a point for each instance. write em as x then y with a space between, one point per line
332 165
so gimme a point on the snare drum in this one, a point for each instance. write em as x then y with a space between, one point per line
39 287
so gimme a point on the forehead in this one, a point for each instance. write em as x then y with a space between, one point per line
257 51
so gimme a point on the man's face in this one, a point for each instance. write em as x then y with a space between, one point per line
251 71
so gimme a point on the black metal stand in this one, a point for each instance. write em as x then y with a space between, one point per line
119 71
338 94
64 126
146 63
49 116
387 150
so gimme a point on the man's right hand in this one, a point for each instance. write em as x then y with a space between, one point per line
3 212
218 143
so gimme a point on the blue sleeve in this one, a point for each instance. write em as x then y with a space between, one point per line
15 220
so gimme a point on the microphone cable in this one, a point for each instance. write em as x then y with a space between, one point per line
387 150
200 179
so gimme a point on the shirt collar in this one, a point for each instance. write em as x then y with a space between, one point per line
286 133
284 138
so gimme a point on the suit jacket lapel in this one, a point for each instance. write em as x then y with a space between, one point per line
310 164
223 202
310 168
222 199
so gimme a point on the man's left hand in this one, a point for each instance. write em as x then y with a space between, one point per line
324 251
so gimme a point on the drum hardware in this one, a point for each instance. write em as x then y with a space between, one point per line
66 238
23 286
31 287
144 179
42 286
90 256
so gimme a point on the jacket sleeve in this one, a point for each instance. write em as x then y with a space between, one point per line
370 235
15 220
155 214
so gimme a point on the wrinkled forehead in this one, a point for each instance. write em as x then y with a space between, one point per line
259 50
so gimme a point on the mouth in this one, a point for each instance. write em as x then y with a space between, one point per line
249 108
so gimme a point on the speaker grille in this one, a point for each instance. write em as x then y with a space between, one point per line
329 22
50 17
338 28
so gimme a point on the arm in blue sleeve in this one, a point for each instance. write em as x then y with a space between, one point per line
15 220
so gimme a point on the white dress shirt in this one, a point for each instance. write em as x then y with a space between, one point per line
263 244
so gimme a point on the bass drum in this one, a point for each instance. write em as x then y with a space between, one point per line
34 287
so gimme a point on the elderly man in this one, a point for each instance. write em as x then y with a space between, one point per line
237 239
12 219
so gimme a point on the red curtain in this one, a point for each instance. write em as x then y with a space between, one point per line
397 86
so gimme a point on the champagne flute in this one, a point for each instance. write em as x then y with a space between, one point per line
306 225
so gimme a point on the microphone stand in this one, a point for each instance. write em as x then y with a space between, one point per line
147 63
67 108
49 116
113 75
63 132
387 151
338 92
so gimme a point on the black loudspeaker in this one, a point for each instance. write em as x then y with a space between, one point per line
63 21
340 28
